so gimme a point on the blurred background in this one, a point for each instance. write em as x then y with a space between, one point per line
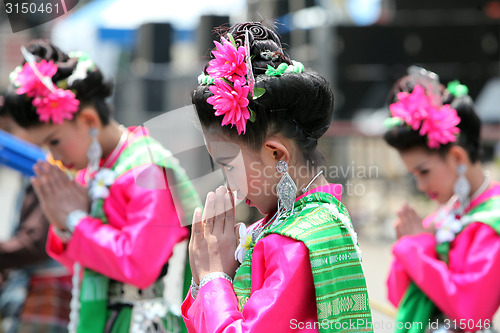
155 49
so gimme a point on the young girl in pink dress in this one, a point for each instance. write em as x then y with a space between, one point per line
262 115
446 268
117 231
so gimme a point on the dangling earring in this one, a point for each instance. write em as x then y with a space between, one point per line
462 188
94 153
286 189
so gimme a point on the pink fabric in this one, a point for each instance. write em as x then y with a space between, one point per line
282 291
397 282
465 289
493 190
138 240
333 189
134 133
282 294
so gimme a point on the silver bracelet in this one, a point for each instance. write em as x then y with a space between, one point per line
64 235
194 289
74 218
215 275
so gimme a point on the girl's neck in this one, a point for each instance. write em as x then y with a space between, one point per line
305 182
109 137
476 177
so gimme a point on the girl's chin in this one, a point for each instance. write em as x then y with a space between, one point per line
264 210
440 200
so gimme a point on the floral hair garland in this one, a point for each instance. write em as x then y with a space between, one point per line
53 102
232 83
416 109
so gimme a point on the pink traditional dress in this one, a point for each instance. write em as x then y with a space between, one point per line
280 286
456 280
126 241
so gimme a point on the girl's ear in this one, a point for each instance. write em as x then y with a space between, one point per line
276 149
458 155
89 117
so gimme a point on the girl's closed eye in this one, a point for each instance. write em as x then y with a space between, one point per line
228 167
53 142
424 172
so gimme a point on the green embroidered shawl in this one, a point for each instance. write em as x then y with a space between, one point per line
322 223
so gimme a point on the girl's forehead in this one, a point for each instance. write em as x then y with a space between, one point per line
223 150
45 132
219 144
421 157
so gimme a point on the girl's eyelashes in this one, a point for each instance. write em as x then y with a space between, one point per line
424 172
53 142
228 167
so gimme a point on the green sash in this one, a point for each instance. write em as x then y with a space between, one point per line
322 223
415 306
94 288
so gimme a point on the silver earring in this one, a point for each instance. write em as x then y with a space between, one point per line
94 152
286 189
462 188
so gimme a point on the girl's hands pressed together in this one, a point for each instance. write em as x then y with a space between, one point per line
58 195
213 240
409 223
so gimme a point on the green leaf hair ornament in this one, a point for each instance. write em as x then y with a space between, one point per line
392 122
257 92
13 76
457 89
295 67
231 39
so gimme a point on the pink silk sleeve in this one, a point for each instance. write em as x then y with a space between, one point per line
282 295
397 282
138 239
468 288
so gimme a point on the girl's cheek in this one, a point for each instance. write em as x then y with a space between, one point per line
255 188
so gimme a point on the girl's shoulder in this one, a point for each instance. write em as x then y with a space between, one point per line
143 149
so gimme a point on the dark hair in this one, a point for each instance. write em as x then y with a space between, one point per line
2 102
403 137
92 90
297 105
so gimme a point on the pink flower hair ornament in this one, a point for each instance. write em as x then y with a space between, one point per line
228 62
232 83
416 109
231 101
56 106
34 79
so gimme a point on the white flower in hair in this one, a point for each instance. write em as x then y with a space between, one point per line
99 187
